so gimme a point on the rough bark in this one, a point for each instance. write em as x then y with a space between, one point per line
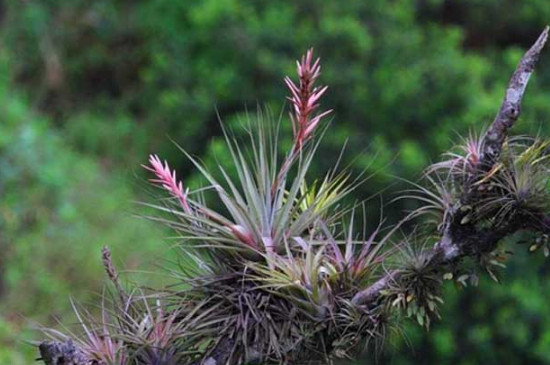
61 353
510 109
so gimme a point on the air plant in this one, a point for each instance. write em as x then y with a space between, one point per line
157 336
463 160
282 275
436 196
417 292
278 241
98 343
270 271
519 185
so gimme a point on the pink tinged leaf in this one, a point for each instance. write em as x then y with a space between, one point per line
243 235
368 244
301 242
338 257
268 245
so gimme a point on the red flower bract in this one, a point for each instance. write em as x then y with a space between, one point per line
167 179
305 99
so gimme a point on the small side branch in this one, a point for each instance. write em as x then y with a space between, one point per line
370 294
511 105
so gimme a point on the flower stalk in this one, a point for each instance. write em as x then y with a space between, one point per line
304 98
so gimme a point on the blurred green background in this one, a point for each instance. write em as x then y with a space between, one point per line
89 88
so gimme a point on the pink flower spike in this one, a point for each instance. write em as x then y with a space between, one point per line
304 98
167 179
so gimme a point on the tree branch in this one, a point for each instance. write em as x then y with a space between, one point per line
459 240
511 105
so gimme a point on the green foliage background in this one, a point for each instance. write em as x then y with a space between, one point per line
89 89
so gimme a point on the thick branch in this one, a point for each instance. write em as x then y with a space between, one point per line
458 240
449 251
